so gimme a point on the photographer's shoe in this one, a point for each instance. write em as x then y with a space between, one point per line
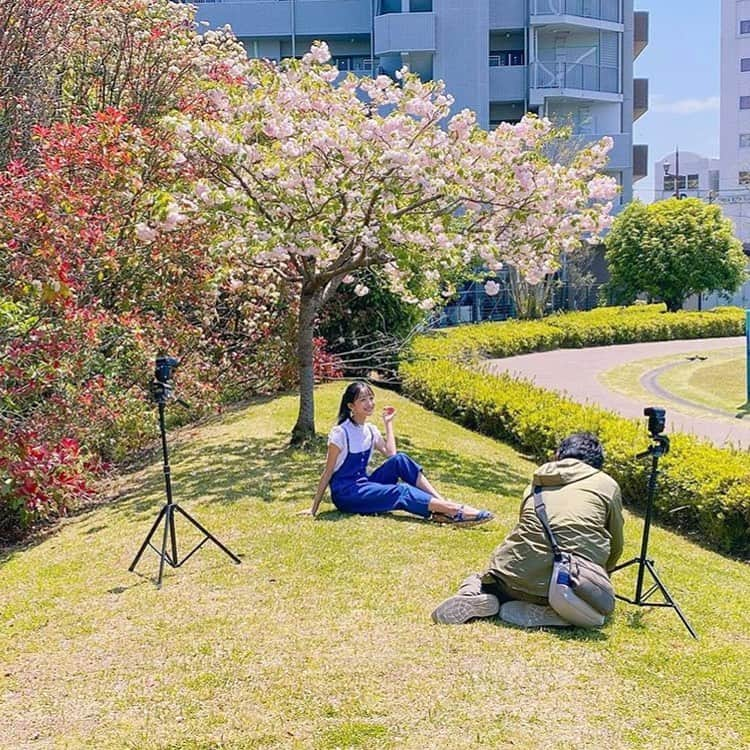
460 609
528 615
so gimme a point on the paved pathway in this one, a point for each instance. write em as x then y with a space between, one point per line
576 372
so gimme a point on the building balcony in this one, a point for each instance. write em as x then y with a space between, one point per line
273 18
640 161
507 14
640 97
404 32
604 14
574 81
507 82
640 32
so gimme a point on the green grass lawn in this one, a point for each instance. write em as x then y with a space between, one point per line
717 381
321 638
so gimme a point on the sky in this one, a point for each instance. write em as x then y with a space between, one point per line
682 63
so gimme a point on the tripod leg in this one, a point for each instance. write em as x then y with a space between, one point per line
668 598
148 538
208 534
173 536
168 524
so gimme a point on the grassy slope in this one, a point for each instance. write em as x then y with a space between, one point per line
322 637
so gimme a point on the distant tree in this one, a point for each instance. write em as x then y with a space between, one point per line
671 249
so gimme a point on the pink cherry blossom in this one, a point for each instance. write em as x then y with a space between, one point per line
491 288
145 233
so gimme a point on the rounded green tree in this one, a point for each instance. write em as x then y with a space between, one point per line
671 249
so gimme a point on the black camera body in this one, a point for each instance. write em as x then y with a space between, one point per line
657 420
164 367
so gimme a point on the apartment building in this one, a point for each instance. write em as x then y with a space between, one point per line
569 60
734 137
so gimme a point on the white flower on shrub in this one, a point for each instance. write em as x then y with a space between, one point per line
348 279
360 290
491 288
427 304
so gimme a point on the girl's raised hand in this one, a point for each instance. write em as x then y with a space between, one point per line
389 412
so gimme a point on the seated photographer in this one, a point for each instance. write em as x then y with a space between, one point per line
584 508
398 484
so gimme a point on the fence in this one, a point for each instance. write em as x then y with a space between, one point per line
474 305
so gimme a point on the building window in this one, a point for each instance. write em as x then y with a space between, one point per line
744 140
744 178
745 102
692 182
744 27
744 64
669 183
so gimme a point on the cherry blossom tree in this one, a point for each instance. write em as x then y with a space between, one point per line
321 176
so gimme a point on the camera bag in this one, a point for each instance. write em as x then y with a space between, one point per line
580 590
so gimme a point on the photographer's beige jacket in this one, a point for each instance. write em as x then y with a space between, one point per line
584 507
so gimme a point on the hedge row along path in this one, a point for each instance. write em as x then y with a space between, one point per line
576 373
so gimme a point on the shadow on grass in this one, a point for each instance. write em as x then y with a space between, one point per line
266 469
336 515
564 634
269 470
471 473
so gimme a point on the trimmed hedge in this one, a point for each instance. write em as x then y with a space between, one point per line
702 489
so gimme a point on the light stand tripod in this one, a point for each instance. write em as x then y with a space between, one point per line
659 446
161 390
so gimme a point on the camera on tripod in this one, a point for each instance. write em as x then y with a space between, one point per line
164 367
657 420
659 446
161 385
161 392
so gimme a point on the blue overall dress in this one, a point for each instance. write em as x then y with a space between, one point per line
354 491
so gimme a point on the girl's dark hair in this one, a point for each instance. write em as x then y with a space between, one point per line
352 393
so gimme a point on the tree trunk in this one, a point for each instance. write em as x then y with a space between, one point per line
304 430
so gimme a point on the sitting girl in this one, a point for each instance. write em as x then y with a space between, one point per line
353 490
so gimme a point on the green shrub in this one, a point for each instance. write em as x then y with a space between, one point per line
702 490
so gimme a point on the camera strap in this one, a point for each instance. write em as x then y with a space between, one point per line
541 512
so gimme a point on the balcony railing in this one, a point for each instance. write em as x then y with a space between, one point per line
564 75
357 64
602 10
503 59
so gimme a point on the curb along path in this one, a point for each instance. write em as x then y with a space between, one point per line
576 374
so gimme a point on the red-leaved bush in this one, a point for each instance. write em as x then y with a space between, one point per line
88 295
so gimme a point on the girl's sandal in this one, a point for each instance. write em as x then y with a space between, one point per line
459 519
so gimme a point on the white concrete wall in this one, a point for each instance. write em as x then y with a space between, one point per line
463 53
